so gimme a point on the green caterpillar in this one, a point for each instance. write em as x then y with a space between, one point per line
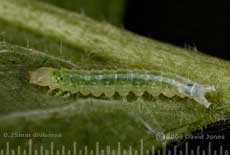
107 82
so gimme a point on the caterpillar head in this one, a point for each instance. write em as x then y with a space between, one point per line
41 76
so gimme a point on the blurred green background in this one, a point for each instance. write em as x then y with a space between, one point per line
111 11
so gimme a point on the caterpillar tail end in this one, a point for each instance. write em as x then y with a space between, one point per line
202 98
203 101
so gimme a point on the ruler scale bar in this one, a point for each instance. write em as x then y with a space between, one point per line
51 149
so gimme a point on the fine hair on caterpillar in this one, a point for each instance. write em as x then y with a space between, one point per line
107 82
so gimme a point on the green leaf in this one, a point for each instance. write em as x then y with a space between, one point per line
29 108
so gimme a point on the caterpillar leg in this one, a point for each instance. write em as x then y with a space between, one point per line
124 100
67 95
140 102
51 91
59 93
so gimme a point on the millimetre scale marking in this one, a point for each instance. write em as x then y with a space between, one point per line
203 152
63 150
7 148
46 152
215 152
29 150
19 150
75 148
51 148
30 147
41 150
192 152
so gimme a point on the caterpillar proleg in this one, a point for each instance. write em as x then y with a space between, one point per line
98 82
